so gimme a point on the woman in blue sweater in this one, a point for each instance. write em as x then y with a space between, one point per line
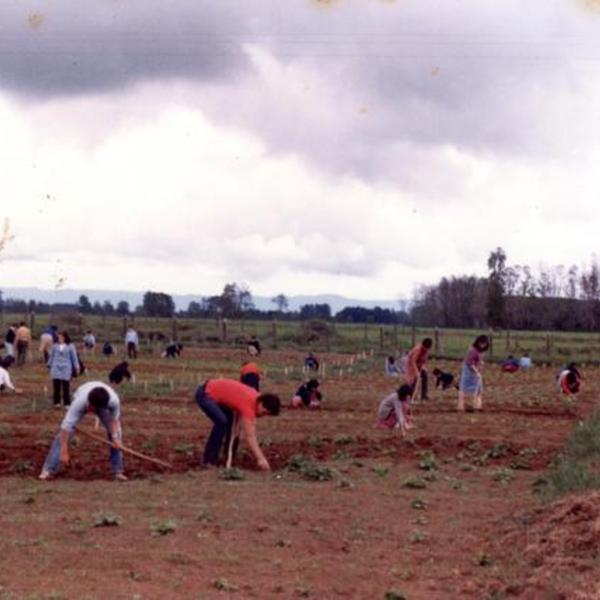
63 365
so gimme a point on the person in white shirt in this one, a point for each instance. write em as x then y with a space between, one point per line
6 383
132 342
98 398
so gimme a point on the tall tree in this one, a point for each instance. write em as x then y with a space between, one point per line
84 305
158 304
496 288
281 302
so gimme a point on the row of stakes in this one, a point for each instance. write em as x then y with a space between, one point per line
343 367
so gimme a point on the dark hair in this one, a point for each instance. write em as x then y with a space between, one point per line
271 402
98 397
21 323
427 342
482 343
66 337
404 392
120 372
312 384
391 359
437 371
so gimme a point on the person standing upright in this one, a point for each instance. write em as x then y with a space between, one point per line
132 342
22 339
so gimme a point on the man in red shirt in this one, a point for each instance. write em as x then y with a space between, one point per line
221 400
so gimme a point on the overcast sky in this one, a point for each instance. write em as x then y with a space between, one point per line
301 146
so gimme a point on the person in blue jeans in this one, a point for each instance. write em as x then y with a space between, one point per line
100 399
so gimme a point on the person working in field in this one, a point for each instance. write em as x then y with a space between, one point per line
224 401
415 367
569 381
64 365
100 399
253 346
308 395
9 340
311 362
132 342
525 361
442 380
391 368
510 364
48 337
471 379
173 350
6 383
89 342
250 375
394 410
22 340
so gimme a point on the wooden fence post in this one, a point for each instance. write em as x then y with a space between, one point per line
436 340
174 329
381 338
548 345
491 338
366 332
413 337
508 340
274 331
224 330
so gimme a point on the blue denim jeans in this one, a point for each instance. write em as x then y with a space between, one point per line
52 463
222 419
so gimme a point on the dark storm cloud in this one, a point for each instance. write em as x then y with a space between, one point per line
52 48
394 79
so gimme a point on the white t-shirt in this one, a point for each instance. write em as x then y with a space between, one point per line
79 406
5 379
131 337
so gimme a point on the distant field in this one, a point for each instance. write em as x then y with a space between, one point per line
544 347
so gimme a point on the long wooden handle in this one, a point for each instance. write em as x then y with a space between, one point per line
156 461
232 436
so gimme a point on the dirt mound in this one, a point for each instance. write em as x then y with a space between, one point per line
562 549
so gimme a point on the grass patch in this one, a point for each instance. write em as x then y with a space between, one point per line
578 469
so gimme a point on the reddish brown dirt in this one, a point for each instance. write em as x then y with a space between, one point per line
482 534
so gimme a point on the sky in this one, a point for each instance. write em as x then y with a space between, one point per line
358 147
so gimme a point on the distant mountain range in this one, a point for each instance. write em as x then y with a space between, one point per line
69 296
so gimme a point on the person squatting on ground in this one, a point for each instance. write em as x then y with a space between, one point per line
107 350
394 410
64 365
222 400
132 342
525 361
308 395
49 337
415 368
250 375
253 346
9 341
173 350
443 380
391 368
471 379
22 340
510 364
89 342
311 363
569 381
100 399
6 383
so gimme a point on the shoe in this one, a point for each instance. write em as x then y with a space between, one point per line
120 477
45 476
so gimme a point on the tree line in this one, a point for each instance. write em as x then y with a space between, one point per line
234 302
513 297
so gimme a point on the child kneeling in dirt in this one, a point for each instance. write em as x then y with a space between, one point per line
98 398
394 410
308 395
569 381
443 380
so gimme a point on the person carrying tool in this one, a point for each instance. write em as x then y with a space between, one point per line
225 401
98 398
